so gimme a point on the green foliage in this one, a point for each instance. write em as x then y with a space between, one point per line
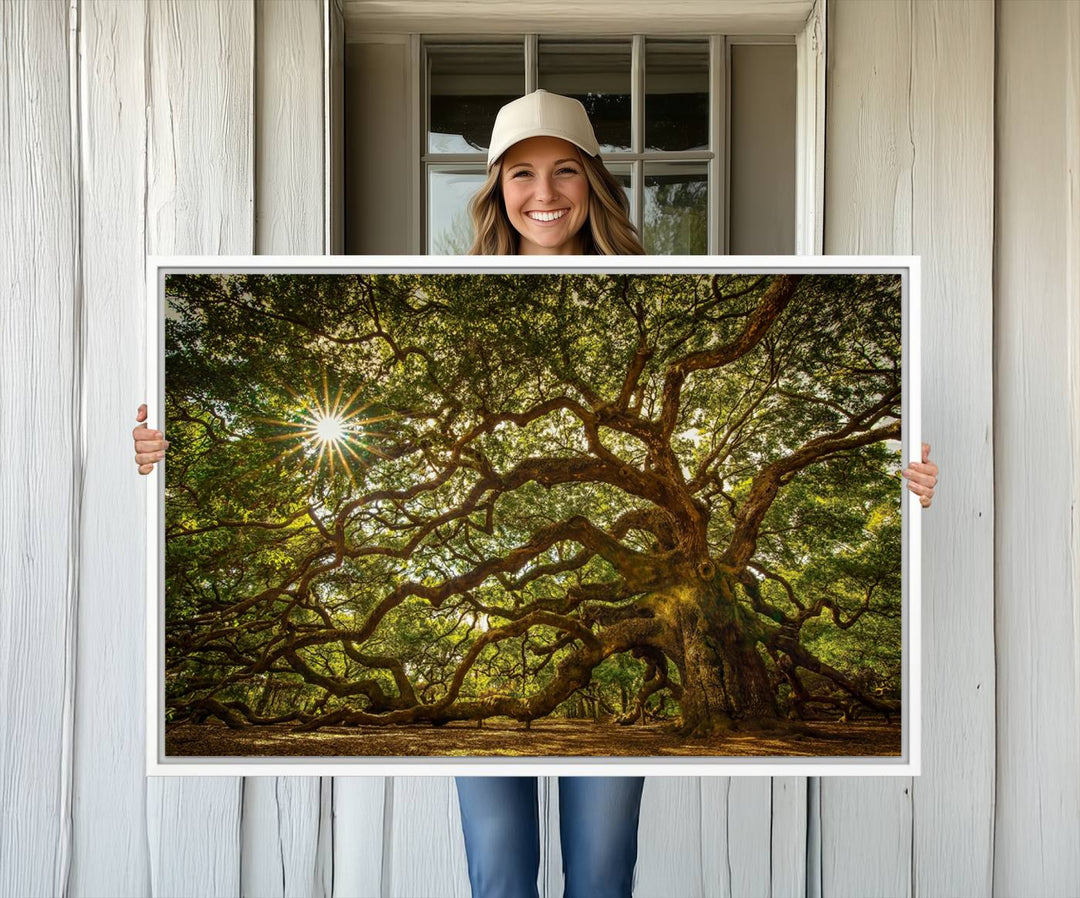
438 380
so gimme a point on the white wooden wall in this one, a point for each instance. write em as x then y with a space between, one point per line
910 169
1036 838
184 127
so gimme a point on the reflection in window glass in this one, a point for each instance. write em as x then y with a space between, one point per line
676 208
449 191
467 84
676 95
597 74
622 175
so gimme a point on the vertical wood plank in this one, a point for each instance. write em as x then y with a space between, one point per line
425 847
281 816
737 826
199 200
193 829
865 838
289 127
40 434
675 827
909 157
952 77
788 873
280 837
1037 821
868 151
110 854
200 186
360 809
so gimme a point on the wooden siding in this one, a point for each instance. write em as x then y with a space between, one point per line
1036 842
134 127
909 169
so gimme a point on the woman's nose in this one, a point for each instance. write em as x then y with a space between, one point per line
545 188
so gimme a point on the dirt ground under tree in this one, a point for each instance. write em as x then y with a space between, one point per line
555 737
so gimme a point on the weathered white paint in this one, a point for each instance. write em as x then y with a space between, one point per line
109 823
199 198
147 132
909 169
361 806
1072 289
670 841
424 850
952 124
558 17
810 134
289 132
1036 841
790 846
40 447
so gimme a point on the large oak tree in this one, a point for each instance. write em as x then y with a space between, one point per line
537 473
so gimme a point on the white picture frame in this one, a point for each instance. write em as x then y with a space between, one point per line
908 763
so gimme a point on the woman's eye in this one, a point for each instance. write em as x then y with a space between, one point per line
570 171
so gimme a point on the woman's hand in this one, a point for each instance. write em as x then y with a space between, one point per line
922 477
150 445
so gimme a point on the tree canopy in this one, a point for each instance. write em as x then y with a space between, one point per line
417 498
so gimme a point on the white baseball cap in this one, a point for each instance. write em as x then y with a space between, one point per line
541 114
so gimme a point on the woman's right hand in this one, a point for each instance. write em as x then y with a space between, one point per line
150 445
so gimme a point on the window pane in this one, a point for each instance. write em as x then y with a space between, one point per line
676 208
449 191
676 95
597 74
622 174
467 84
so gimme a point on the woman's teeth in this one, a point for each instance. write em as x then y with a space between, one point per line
546 216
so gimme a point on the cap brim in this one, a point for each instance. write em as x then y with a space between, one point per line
495 153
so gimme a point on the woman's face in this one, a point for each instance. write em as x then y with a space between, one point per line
546 195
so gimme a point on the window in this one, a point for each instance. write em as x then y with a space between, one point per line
661 109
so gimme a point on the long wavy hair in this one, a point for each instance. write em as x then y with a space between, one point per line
607 231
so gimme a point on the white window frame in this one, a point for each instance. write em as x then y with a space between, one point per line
809 137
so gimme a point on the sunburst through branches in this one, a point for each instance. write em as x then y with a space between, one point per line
335 432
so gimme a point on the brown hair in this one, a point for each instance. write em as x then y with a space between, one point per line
607 231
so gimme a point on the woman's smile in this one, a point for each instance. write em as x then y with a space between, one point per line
553 215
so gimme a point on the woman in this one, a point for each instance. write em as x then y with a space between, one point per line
547 193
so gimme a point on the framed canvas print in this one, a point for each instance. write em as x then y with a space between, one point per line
501 515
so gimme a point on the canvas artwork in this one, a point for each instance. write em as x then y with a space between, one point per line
513 515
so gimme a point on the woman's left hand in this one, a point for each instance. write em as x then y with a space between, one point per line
922 477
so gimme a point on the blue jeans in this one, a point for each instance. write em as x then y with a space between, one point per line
598 819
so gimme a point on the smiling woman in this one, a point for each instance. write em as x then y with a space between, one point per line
547 191
546 195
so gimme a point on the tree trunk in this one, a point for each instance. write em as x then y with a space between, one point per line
725 681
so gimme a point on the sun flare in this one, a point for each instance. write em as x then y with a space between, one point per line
332 430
